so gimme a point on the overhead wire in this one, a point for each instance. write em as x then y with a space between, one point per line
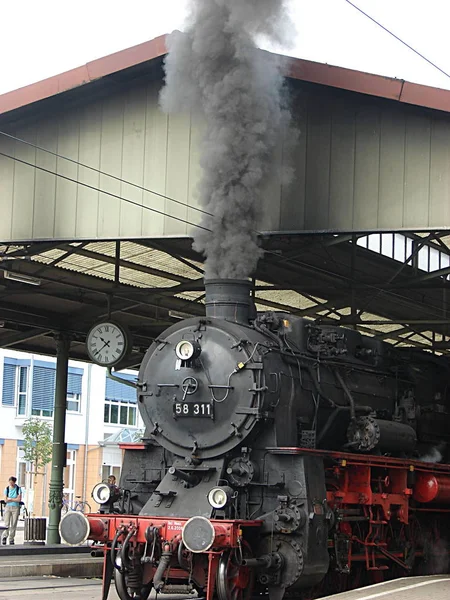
100 172
398 38
97 189
116 178
185 221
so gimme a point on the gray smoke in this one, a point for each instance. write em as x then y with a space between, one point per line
434 455
215 67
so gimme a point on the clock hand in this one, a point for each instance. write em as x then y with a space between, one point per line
105 342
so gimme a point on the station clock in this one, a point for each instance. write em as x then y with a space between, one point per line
108 343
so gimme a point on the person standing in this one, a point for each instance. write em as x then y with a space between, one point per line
13 498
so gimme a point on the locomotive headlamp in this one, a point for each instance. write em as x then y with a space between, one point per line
219 497
198 534
74 528
101 493
186 350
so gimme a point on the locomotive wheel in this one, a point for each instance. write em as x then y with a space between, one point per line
120 580
233 581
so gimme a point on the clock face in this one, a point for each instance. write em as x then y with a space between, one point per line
106 343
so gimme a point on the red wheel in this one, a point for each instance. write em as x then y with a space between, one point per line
234 581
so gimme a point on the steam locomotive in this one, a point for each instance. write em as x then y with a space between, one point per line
281 456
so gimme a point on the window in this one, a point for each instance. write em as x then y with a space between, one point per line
74 384
26 382
400 247
43 389
108 470
22 469
119 413
120 402
15 385
9 384
22 387
69 474
73 402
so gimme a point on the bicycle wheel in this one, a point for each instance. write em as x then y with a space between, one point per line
83 507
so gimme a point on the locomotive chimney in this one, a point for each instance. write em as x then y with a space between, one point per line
229 299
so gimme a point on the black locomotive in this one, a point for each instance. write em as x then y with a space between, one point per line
280 456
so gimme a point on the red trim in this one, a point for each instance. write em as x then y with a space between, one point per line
367 459
104 527
228 534
119 61
305 70
130 446
347 79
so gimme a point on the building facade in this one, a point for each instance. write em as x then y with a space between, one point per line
101 413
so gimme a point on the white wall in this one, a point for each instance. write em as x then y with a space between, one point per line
81 428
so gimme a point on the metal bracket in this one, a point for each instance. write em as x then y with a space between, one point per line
248 410
120 379
165 385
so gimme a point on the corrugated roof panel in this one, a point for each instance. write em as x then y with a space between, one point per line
5 248
130 252
160 261
146 257
48 257
287 297
384 328
131 277
193 296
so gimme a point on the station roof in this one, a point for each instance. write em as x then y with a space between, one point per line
149 284
144 57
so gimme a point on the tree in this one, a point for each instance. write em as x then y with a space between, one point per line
37 446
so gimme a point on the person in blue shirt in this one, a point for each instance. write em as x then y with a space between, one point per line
13 498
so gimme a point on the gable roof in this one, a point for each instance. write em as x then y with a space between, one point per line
305 70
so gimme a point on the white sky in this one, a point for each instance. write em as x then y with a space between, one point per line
41 39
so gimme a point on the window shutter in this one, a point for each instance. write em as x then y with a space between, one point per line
74 382
9 384
119 391
43 395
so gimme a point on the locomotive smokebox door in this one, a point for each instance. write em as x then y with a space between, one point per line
203 383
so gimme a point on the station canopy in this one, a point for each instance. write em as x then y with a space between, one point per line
394 286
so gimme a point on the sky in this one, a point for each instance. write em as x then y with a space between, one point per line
41 39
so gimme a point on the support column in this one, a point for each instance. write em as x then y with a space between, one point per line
59 448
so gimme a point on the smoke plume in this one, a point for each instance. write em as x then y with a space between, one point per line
435 454
215 67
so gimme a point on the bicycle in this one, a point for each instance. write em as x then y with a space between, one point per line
77 506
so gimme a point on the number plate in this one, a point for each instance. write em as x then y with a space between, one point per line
193 409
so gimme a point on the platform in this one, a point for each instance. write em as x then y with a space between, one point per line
61 565
52 588
30 560
436 587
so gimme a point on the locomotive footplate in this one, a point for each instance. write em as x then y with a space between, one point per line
167 554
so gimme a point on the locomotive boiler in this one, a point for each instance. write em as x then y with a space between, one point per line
280 456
